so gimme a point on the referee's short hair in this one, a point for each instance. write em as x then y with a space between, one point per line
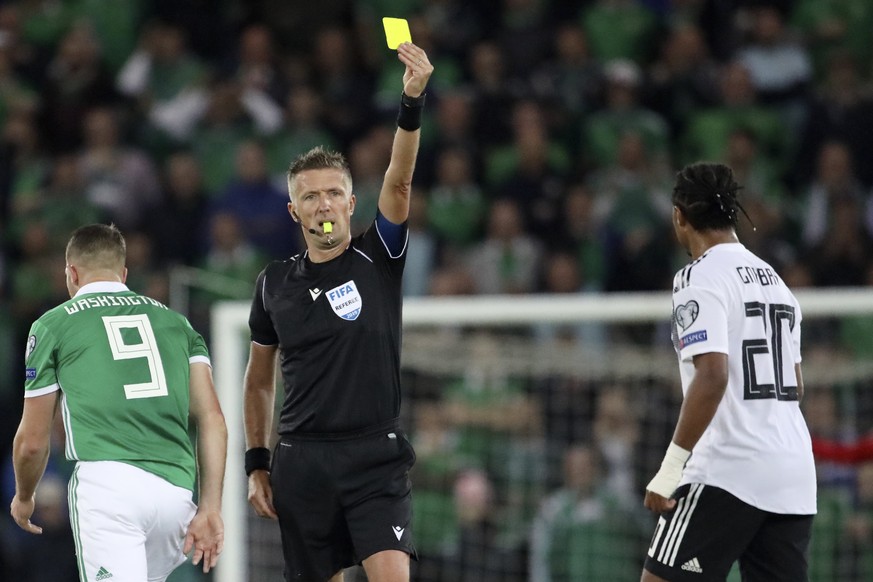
318 158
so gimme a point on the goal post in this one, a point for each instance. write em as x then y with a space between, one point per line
229 347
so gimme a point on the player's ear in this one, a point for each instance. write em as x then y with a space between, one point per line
352 201
124 275
72 274
293 214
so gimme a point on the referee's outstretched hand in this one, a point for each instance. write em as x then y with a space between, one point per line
261 494
418 68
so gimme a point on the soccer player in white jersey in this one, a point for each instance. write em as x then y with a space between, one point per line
126 373
738 479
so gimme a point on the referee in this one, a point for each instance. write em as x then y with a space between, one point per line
338 478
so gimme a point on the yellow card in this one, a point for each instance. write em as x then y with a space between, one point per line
396 31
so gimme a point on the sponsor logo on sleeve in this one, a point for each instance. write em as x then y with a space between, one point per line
686 314
692 338
30 373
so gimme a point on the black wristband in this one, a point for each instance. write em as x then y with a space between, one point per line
409 116
257 459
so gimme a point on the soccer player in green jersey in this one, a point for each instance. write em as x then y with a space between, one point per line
126 374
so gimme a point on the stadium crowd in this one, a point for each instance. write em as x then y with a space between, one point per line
551 136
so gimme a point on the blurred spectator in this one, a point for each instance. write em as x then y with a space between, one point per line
771 229
571 79
823 416
232 257
302 130
256 66
228 271
77 80
633 206
495 426
856 333
524 34
60 205
436 466
165 79
840 109
259 206
562 274
180 234
27 58
779 66
120 180
27 163
708 130
623 113
507 261
616 430
828 26
683 79
455 124
581 234
296 25
857 548
493 92
422 248
16 94
619 29
479 554
845 251
341 80
457 206
223 124
455 25
37 278
114 24
834 181
584 530
531 171
451 278
830 551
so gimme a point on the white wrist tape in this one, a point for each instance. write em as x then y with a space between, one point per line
665 481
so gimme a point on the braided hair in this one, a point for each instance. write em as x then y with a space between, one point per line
707 194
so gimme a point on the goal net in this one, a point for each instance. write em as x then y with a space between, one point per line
537 422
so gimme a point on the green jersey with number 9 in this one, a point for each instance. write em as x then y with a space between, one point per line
121 361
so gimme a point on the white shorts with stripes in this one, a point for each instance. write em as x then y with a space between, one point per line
128 524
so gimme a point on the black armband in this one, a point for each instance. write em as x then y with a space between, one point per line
257 459
409 117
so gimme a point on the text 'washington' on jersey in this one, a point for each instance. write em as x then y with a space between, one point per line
110 301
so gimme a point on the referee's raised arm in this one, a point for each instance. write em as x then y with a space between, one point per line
394 197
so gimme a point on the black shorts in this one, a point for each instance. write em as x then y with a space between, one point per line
341 500
710 529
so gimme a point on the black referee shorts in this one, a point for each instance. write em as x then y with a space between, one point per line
342 499
710 529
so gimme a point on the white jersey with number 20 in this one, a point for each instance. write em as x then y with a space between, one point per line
757 446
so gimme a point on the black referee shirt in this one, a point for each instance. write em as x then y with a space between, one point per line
337 325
